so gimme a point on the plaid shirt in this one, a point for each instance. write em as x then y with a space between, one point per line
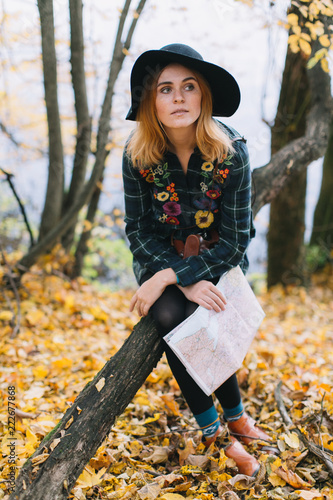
161 202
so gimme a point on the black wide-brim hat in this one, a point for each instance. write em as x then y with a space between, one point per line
224 88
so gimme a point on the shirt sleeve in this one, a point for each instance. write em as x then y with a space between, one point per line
235 230
151 252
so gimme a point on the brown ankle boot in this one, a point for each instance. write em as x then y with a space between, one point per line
246 430
245 462
207 441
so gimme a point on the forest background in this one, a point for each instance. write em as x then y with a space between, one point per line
255 53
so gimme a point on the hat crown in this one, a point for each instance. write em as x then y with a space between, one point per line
182 49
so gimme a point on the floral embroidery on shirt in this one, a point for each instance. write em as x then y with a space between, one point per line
172 220
158 170
204 218
213 175
148 174
204 187
145 172
221 174
207 166
160 175
213 194
205 204
163 196
172 208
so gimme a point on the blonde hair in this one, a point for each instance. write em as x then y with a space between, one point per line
149 141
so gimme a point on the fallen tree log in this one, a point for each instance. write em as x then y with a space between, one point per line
64 452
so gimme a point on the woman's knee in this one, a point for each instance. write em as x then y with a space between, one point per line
169 310
166 319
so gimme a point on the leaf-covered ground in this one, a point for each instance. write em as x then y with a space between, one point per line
69 329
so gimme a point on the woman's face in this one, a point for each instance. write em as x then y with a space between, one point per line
178 97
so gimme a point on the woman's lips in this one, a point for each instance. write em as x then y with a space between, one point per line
179 112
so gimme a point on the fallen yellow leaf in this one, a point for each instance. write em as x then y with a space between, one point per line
100 384
292 478
39 459
89 478
292 440
172 496
309 495
6 315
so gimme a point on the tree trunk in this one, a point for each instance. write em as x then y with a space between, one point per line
287 212
55 186
88 421
66 221
322 232
83 119
286 233
82 246
117 63
299 153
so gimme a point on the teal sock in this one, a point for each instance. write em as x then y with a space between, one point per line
208 421
232 414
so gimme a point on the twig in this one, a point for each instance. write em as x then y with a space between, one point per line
151 472
18 144
8 177
320 452
158 434
4 129
17 326
322 409
237 434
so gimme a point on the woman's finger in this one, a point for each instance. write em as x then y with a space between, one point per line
219 294
211 300
220 303
212 304
133 302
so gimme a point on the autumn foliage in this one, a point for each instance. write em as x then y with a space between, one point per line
68 330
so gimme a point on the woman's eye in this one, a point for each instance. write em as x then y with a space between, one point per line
165 90
189 86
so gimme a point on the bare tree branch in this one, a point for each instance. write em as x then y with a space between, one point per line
8 177
10 136
17 143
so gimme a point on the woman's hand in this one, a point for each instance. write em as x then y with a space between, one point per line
151 290
205 294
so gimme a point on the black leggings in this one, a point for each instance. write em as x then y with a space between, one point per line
168 311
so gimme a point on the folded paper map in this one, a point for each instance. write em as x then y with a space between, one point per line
212 345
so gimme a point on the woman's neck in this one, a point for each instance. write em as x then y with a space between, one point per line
181 141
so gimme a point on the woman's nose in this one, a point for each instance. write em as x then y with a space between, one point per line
178 96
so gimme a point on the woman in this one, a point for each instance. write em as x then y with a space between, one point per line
186 173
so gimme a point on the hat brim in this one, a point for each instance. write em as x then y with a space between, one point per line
224 88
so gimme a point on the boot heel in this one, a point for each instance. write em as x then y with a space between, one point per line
245 462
